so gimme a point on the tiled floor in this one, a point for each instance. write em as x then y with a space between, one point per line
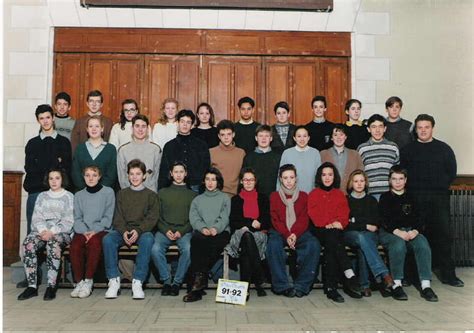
454 311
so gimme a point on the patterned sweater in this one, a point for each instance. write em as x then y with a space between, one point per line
53 211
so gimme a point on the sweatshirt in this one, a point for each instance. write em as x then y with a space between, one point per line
175 203
93 211
399 211
210 210
53 212
64 125
320 134
136 210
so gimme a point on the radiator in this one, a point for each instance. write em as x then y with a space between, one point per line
462 222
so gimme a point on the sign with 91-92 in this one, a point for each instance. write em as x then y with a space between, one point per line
232 291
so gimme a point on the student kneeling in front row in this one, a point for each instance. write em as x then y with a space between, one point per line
136 213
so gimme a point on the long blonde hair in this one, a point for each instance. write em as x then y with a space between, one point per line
163 120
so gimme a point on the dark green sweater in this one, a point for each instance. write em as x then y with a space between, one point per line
106 161
175 202
137 210
266 169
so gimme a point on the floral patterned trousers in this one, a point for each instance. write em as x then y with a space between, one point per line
32 244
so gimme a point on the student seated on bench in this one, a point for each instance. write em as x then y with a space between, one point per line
51 226
209 216
289 217
402 231
93 213
136 213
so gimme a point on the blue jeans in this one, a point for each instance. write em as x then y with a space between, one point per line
30 207
397 250
308 250
113 241
366 243
158 254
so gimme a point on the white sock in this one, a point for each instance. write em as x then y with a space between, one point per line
425 284
349 273
32 286
397 283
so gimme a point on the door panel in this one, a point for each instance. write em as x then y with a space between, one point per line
334 84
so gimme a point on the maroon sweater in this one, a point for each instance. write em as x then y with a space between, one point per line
278 215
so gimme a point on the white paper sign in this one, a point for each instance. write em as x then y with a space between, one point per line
232 291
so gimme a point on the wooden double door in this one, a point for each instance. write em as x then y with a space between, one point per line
219 80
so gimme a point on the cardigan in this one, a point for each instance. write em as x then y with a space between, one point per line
278 215
106 161
353 162
237 219
277 144
326 207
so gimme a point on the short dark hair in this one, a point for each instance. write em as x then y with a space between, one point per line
140 117
300 127
175 164
283 105
64 178
186 113
398 169
376 117
225 124
425 117
43 108
350 102
246 99
339 128
95 93
286 167
392 100
212 118
263 128
319 99
337 178
136 163
63 95
123 119
219 178
243 171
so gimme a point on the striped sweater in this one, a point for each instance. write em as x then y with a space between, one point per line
378 158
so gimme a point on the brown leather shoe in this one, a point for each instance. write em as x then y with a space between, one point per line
388 281
200 281
366 292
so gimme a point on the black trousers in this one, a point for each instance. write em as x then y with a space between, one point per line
250 264
206 250
335 259
434 210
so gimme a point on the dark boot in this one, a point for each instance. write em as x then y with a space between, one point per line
200 281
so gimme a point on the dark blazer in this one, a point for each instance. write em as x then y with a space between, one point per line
277 143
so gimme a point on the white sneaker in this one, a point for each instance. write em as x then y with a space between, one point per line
114 288
86 289
77 289
137 290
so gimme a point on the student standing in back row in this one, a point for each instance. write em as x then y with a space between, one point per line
95 102
245 128
319 129
398 129
63 122
283 131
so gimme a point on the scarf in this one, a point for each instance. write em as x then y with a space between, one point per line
250 203
290 204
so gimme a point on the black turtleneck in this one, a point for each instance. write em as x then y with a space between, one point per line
94 189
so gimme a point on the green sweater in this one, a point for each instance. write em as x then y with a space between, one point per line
175 202
106 161
137 210
210 210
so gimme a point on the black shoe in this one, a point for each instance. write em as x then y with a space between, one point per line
406 283
200 281
22 284
50 293
193 296
260 291
366 292
454 282
334 295
299 293
290 292
351 288
28 293
399 294
429 295
174 290
166 291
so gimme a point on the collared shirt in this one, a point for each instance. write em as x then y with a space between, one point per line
53 135
282 131
319 121
340 159
301 149
95 151
260 151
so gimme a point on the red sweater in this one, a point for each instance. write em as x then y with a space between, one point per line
326 207
278 215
